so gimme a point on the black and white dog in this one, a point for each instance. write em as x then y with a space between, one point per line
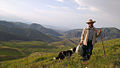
64 54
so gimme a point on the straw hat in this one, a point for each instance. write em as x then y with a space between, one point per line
90 21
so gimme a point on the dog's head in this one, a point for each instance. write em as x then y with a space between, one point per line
73 49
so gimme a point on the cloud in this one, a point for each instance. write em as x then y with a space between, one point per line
87 8
106 13
80 2
57 7
93 9
110 6
60 1
83 6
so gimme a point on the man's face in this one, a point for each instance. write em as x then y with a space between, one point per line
90 24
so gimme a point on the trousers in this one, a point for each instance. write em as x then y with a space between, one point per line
87 49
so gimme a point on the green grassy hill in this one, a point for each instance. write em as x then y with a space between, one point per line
26 32
13 49
7 53
44 59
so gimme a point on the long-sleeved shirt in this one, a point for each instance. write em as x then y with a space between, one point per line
90 36
85 35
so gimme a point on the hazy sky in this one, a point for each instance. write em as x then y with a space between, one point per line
65 13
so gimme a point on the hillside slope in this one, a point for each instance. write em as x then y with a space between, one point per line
107 33
21 31
5 36
44 60
7 53
34 26
44 30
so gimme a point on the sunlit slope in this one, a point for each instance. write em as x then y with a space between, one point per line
44 60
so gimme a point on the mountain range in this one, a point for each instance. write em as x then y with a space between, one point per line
36 32
107 33
26 32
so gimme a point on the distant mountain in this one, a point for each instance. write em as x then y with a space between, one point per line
107 33
73 33
57 28
13 24
34 26
110 33
22 31
5 36
44 30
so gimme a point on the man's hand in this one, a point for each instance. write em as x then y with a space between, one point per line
81 43
99 31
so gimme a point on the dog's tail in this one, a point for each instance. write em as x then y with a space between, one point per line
54 58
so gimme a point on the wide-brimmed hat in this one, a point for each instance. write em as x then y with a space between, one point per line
90 21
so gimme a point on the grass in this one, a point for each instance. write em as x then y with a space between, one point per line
10 52
16 49
97 60
7 53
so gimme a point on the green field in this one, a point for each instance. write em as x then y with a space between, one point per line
40 59
18 49
7 53
10 52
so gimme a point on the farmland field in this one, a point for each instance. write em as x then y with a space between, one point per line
44 58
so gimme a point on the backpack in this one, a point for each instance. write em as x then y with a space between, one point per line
81 50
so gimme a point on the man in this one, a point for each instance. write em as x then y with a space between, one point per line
88 38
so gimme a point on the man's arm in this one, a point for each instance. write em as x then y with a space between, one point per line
82 36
